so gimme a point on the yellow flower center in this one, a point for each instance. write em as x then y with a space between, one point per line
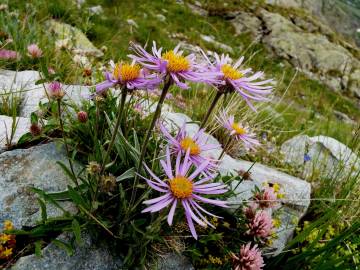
181 187
230 72
188 143
238 129
126 72
176 62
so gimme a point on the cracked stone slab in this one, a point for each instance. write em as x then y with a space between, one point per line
23 169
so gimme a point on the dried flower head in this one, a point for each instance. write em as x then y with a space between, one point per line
93 168
249 258
108 183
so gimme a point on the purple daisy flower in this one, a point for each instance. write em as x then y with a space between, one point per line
182 188
130 75
196 144
238 131
180 68
243 81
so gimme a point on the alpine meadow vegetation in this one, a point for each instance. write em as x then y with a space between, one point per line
146 186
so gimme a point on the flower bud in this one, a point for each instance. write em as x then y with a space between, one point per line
82 116
35 129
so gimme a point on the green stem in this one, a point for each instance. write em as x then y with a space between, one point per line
211 108
116 128
157 114
226 146
65 143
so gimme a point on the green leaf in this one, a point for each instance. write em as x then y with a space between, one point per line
130 173
41 81
27 137
77 232
48 198
38 248
77 198
67 171
34 118
65 246
43 210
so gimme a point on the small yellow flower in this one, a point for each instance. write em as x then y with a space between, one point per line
4 238
215 260
8 225
276 187
6 253
280 195
276 222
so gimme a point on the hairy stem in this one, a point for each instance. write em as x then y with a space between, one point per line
226 146
116 128
157 114
65 143
211 108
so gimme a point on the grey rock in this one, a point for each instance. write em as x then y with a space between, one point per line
80 44
217 44
91 255
344 117
354 83
22 169
297 191
175 262
23 82
246 22
313 53
339 15
327 156
8 139
196 9
22 85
